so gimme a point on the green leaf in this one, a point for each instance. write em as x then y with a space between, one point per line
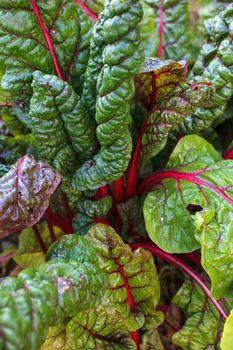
132 282
198 185
101 328
70 282
214 63
122 58
24 49
149 32
170 112
24 194
203 326
57 112
87 210
29 252
227 339
173 25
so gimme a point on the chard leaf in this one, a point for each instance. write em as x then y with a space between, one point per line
69 282
98 328
198 184
42 36
169 113
87 210
57 113
203 326
29 252
173 27
227 338
132 282
122 58
149 32
215 63
157 80
24 194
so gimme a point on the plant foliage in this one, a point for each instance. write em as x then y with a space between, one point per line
116 162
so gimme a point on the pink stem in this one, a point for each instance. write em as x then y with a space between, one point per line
87 10
175 261
229 155
47 38
39 238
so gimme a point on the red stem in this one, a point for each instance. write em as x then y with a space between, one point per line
175 261
161 25
132 173
118 195
47 38
134 335
57 220
87 10
39 238
102 192
229 155
51 232
156 179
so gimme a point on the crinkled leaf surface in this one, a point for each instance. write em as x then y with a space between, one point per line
24 194
191 207
203 326
132 282
69 282
170 112
24 48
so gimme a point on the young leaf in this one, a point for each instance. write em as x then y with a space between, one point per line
132 282
216 64
157 80
71 281
203 325
87 210
122 58
24 194
169 113
198 185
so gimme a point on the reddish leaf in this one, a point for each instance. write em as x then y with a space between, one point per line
24 194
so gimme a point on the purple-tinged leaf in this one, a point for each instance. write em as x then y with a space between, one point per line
24 194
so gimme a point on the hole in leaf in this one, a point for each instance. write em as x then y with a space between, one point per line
193 208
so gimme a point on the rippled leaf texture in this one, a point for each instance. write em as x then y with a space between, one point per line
169 113
203 326
70 282
24 194
96 329
29 252
57 113
132 282
198 184
215 63
227 337
23 48
87 211
173 27
122 58
157 80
